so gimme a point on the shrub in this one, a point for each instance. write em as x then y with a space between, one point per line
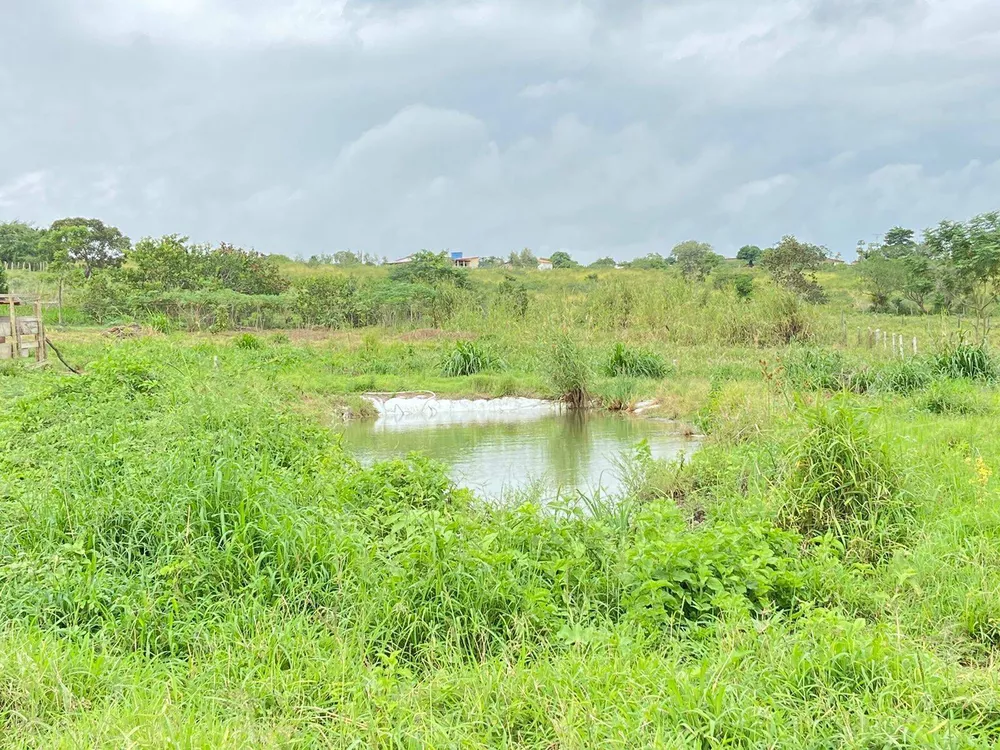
4 287
569 370
248 342
634 363
160 322
951 397
842 481
467 358
904 376
815 369
964 360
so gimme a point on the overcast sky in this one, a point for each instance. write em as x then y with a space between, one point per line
599 126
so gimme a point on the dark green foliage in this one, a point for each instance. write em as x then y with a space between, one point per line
965 360
561 259
634 363
19 242
791 263
88 243
4 287
429 268
332 301
843 481
248 342
468 358
749 254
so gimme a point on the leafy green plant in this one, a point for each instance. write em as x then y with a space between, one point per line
965 360
618 394
161 322
468 358
904 376
842 480
812 368
949 396
634 363
248 342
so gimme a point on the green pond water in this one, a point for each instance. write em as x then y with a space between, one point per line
555 453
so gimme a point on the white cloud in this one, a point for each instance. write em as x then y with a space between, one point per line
549 88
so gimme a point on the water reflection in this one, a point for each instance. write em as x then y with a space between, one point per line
499 453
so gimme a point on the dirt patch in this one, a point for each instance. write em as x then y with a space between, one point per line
128 331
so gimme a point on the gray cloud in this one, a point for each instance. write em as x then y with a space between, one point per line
600 127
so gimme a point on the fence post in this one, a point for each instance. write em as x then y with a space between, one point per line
59 300
914 346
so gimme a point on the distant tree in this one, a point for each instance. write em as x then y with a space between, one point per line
19 242
523 259
790 261
346 258
491 261
89 243
970 253
881 278
649 262
607 262
561 259
695 259
430 268
898 237
749 254
243 271
168 262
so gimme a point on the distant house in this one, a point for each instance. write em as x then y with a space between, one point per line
544 264
457 259
460 261
834 261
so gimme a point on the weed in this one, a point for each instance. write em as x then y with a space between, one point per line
843 480
634 363
248 342
964 360
467 358
570 372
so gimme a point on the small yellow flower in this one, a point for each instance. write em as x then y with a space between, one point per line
983 471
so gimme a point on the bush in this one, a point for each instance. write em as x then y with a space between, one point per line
248 342
904 376
952 397
467 358
964 360
815 369
634 363
569 371
842 481
160 322
4 286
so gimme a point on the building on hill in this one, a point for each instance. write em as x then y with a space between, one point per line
544 264
457 259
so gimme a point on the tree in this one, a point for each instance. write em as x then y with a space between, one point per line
19 242
749 254
430 268
4 286
243 271
881 277
790 260
650 262
167 263
561 259
523 259
607 262
695 259
89 243
970 253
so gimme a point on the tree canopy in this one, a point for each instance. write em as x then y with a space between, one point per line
790 261
561 259
695 259
88 243
19 242
749 254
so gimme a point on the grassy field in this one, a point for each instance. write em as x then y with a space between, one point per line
189 557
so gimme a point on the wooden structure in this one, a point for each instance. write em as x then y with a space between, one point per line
22 336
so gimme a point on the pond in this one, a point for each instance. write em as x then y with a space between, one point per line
495 453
